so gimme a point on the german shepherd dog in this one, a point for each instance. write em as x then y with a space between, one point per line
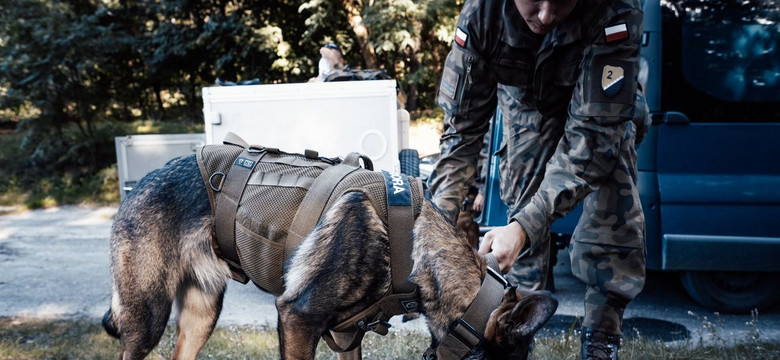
161 254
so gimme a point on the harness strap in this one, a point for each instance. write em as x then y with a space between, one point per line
403 296
466 333
400 221
375 318
313 204
227 200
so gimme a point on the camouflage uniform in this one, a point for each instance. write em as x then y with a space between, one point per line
569 135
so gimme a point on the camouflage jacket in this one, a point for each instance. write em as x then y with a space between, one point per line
584 70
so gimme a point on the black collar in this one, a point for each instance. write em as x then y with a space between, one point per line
466 333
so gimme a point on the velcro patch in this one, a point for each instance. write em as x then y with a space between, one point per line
449 82
245 163
461 37
616 32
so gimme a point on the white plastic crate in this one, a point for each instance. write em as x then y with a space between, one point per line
137 155
333 118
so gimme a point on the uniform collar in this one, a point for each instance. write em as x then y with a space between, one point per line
568 32
516 32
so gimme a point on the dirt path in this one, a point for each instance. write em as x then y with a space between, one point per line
54 263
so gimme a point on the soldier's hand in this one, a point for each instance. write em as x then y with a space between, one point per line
505 243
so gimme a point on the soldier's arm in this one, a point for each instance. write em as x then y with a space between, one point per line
467 94
597 124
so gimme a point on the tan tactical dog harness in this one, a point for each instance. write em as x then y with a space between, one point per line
266 201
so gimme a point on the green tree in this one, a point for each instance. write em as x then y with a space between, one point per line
409 39
45 65
81 63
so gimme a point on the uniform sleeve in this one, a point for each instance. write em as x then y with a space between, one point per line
602 103
467 94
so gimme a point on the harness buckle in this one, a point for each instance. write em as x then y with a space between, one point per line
380 327
467 334
496 275
255 149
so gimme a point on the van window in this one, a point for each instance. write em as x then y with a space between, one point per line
722 59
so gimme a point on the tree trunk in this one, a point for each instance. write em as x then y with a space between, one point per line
158 96
361 32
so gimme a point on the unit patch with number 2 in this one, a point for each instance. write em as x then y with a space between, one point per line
611 80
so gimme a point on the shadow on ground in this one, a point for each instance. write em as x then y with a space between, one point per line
651 329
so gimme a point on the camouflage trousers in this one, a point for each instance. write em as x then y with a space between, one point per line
607 249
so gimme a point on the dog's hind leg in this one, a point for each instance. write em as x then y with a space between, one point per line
143 322
198 313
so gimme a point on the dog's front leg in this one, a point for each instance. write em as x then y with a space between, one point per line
298 336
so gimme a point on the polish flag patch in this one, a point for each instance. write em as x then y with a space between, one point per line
461 37
616 32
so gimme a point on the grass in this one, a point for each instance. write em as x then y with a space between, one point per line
23 339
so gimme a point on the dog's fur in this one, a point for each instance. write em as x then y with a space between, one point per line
465 221
161 253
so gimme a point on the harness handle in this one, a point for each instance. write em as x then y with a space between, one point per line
233 139
357 338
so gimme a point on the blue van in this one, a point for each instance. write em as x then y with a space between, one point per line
709 169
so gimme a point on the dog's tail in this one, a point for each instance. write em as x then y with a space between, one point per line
110 325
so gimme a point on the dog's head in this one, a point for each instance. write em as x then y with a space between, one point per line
510 330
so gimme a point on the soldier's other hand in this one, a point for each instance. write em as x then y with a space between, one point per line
505 243
478 201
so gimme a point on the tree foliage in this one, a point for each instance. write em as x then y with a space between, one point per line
83 64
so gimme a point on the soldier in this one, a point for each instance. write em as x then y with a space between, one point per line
564 73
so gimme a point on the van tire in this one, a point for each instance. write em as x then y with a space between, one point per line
732 291
410 162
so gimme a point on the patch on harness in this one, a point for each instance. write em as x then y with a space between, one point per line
245 163
399 192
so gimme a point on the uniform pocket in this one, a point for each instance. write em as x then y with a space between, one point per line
261 259
567 74
455 81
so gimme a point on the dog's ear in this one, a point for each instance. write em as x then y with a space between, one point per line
531 313
511 327
519 316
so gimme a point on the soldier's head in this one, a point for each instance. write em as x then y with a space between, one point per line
544 15
332 52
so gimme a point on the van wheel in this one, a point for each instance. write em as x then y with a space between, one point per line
732 291
410 162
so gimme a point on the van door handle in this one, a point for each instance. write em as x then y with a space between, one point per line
676 118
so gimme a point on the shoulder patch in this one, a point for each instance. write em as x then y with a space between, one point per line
461 37
612 80
616 32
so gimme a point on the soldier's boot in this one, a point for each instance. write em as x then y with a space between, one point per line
597 345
